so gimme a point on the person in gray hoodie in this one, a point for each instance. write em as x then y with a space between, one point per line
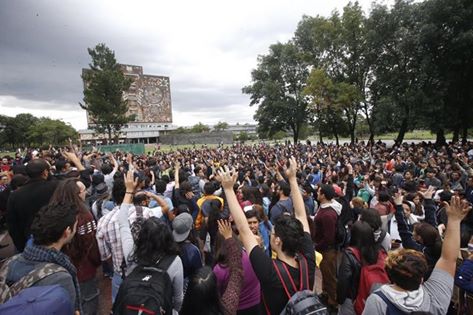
408 293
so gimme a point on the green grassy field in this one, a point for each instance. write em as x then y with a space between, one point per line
412 135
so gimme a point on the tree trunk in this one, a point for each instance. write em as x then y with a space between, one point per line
371 129
335 133
295 133
456 134
464 135
109 131
352 135
402 131
440 137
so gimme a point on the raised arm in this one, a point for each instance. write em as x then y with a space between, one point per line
406 235
114 162
163 204
299 208
124 225
177 166
228 178
429 206
456 212
230 297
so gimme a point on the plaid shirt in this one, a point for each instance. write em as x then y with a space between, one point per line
108 235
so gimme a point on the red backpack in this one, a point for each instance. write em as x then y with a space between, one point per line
371 278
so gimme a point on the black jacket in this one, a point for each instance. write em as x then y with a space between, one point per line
348 277
23 204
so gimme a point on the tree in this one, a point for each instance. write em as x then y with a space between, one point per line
15 129
329 101
50 131
276 89
446 40
199 128
338 45
27 130
394 39
221 126
105 84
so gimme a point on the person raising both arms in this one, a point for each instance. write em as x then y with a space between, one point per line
290 239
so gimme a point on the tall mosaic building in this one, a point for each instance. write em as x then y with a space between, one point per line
149 100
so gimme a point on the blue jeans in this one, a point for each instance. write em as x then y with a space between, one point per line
116 282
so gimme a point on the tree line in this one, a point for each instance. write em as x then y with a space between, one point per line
398 68
26 130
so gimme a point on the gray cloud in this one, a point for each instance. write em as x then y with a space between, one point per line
208 48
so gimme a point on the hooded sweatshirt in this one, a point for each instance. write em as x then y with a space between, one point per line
326 225
433 297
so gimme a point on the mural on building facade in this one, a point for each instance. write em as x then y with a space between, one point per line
149 96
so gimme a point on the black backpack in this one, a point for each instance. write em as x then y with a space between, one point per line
342 236
146 290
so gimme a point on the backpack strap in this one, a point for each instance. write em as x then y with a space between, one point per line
391 307
304 273
165 262
286 279
356 253
31 278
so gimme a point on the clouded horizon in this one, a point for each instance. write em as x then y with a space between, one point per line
207 48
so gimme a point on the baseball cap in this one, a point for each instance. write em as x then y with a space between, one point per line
181 227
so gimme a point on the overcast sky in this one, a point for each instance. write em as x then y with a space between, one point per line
207 48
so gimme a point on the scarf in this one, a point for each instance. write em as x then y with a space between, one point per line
43 254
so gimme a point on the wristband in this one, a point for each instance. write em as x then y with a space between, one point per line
131 193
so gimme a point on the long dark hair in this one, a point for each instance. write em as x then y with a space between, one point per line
362 237
67 192
202 297
154 241
214 215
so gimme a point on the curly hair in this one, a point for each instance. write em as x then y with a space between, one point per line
291 233
406 268
154 241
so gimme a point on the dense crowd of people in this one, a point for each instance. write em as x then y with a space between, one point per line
242 229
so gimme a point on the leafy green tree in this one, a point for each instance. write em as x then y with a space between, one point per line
276 89
446 40
199 128
330 104
243 136
16 129
394 39
181 130
105 84
51 131
338 45
221 126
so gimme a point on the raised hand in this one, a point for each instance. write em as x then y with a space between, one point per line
291 171
130 182
227 177
398 199
457 209
225 229
428 193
